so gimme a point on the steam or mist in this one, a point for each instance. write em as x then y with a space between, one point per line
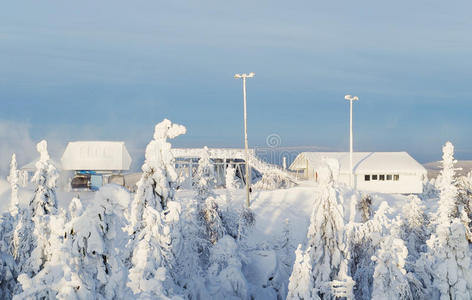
15 138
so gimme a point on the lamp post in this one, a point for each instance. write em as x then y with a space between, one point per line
243 77
351 171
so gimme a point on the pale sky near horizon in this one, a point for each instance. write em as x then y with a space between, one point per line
112 69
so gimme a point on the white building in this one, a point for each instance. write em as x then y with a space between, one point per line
95 162
383 172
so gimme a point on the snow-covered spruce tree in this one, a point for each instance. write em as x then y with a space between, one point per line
209 210
13 179
31 235
60 277
390 280
448 249
364 240
87 261
8 268
155 232
301 283
464 188
364 206
414 229
205 178
226 280
326 245
284 250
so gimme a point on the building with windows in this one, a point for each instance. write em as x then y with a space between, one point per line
383 172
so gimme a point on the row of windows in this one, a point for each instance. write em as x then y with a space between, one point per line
382 177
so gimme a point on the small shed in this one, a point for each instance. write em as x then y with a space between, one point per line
383 172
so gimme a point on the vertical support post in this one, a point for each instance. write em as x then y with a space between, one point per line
351 175
246 145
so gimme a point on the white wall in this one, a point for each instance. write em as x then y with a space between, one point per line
407 184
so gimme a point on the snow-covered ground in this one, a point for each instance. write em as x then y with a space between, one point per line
309 241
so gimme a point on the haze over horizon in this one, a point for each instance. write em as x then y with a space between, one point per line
112 70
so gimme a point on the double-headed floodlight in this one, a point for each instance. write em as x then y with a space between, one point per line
351 171
244 76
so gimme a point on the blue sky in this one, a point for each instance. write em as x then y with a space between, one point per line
112 69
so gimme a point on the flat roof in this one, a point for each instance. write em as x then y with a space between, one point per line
363 162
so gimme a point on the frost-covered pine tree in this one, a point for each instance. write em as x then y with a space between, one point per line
96 238
31 235
13 179
158 181
301 285
464 187
414 228
155 229
226 279
209 209
8 267
60 278
326 243
284 250
364 240
448 249
149 276
205 178
390 280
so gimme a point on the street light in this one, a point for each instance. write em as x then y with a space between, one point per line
351 171
244 76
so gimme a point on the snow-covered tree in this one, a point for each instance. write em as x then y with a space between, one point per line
448 249
284 250
326 242
390 280
61 277
8 267
87 261
31 235
364 206
301 285
205 178
230 178
96 238
158 181
155 228
226 280
364 240
13 179
464 187
149 275
209 210
414 228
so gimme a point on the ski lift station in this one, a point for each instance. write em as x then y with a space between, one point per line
95 163
186 161
382 172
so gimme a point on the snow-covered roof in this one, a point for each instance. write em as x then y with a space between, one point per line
363 162
96 156
215 153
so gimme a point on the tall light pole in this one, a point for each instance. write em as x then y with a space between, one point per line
351 171
244 76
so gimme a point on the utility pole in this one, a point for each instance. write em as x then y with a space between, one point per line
243 77
351 171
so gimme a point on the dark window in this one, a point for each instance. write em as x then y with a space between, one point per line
374 177
396 177
381 177
366 177
389 177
